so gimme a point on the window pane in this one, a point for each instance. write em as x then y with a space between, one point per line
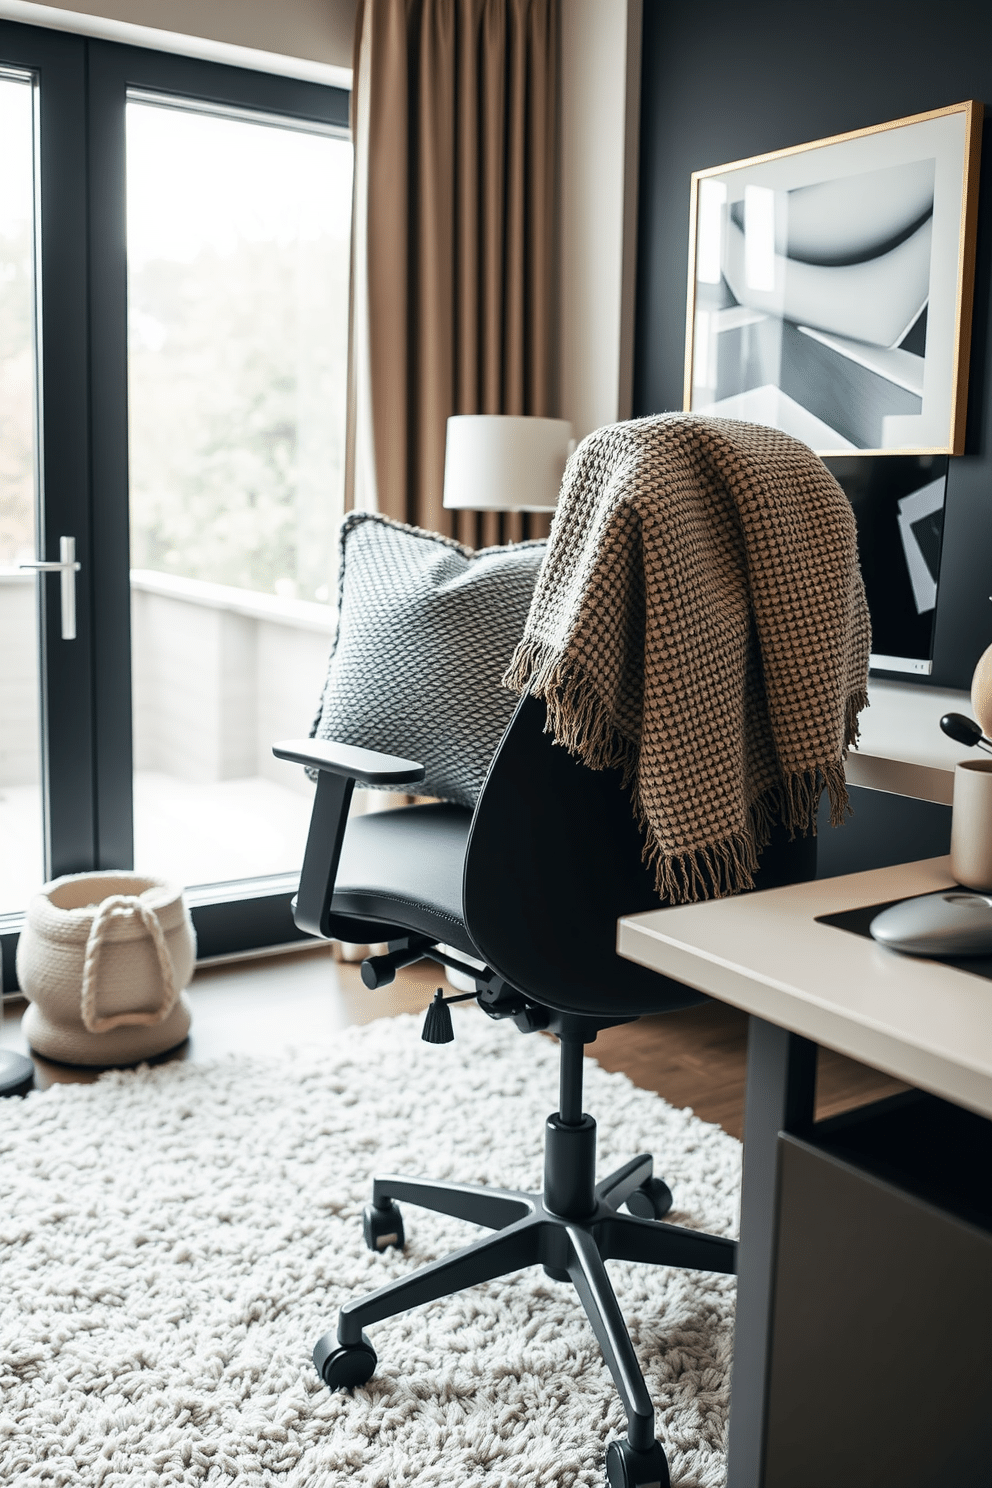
238 252
21 863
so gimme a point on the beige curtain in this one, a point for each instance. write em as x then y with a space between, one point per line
455 117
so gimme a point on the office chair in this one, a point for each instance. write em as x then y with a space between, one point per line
531 884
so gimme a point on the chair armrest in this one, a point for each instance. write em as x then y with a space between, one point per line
340 768
364 766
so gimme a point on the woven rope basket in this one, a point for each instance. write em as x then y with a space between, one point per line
103 960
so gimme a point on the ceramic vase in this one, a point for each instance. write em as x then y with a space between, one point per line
981 692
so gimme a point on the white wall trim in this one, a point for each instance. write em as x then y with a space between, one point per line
201 47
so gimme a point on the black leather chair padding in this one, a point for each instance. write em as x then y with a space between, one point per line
533 883
401 871
554 859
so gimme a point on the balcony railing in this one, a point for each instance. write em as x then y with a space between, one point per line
218 673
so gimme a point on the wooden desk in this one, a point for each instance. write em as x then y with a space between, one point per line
805 984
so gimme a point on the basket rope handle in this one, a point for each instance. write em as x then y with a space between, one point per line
118 904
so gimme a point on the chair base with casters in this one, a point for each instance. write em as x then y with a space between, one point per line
570 1228
550 844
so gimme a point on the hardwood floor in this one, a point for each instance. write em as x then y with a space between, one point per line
302 1000
697 1058
299 1000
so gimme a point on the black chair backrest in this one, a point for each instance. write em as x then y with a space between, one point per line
554 858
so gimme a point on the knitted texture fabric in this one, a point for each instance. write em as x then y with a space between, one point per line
102 959
425 630
700 621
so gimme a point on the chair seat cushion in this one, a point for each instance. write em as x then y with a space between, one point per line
403 869
426 629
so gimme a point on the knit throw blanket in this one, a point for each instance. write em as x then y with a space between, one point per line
700 621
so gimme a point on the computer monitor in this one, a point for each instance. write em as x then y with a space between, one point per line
898 503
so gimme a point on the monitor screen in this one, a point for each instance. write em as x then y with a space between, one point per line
898 503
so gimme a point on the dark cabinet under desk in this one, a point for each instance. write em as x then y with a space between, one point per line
880 1370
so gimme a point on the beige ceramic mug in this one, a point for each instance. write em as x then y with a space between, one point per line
971 825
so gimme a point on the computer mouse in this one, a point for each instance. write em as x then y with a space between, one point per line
951 923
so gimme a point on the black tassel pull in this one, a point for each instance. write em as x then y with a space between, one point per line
437 1027
437 1024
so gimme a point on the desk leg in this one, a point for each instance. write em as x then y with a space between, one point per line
781 1084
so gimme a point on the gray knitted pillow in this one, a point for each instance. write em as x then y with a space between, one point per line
426 630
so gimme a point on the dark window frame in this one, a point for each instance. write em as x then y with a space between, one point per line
86 684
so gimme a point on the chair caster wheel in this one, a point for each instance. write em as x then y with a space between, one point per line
652 1200
343 1366
383 1227
626 1468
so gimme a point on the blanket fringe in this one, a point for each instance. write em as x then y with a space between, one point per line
764 814
577 716
725 868
580 721
840 801
855 704
711 872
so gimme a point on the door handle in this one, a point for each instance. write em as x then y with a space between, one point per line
68 568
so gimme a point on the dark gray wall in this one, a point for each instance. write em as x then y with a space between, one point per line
729 79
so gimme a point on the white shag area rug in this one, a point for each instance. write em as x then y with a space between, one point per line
174 1240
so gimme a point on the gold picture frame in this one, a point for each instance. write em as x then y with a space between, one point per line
831 286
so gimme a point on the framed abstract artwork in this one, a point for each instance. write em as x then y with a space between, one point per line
830 286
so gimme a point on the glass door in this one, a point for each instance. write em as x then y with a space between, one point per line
238 230
225 196
218 289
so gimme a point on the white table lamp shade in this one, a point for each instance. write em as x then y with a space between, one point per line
501 462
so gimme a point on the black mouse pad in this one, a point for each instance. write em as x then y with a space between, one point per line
856 922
